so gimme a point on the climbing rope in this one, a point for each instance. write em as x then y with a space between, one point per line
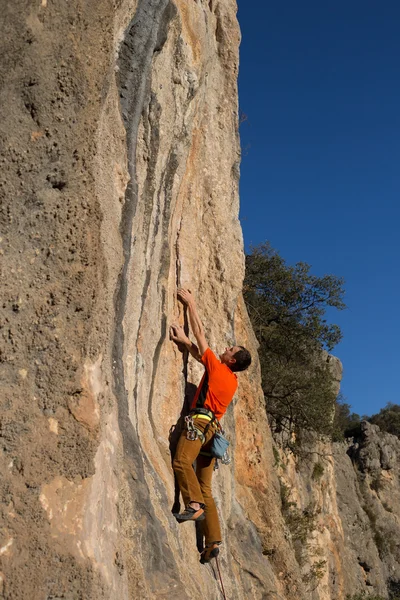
220 578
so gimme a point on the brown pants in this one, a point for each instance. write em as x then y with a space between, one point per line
196 486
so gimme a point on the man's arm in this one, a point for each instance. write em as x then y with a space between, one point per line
197 327
177 334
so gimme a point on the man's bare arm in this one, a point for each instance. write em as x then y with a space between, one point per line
177 334
195 323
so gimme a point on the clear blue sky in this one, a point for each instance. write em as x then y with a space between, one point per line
320 176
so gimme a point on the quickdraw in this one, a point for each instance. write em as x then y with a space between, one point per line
192 433
226 459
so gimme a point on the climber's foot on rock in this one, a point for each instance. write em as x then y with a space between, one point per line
209 552
190 514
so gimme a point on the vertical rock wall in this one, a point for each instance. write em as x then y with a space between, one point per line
119 182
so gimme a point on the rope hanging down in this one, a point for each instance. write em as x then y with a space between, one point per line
220 578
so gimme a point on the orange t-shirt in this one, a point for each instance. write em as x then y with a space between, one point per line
217 387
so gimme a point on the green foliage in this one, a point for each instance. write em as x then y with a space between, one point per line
292 295
318 471
285 494
315 574
345 423
364 596
388 419
394 589
276 456
287 306
385 541
267 551
300 522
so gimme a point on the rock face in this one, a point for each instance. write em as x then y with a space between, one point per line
120 162
341 506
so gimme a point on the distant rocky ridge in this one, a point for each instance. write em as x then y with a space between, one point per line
346 496
119 181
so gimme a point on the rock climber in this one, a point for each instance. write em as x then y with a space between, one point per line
213 395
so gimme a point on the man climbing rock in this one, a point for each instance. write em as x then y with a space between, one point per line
214 394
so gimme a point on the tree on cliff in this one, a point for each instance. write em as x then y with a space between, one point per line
346 423
287 306
388 419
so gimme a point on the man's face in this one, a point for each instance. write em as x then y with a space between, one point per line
227 356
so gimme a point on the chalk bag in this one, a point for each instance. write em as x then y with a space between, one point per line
219 445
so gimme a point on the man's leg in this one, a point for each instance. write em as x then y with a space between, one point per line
204 472
186 453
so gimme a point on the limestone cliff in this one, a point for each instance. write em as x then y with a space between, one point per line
341 503
120 164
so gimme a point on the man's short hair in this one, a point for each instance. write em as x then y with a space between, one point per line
242 358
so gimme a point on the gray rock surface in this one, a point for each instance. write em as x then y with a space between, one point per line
352 491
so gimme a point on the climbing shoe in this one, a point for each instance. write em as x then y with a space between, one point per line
209 552
190 514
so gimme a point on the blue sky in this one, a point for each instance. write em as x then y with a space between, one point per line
320 175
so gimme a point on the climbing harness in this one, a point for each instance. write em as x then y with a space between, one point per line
219 444
220 578
193 432
205 413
